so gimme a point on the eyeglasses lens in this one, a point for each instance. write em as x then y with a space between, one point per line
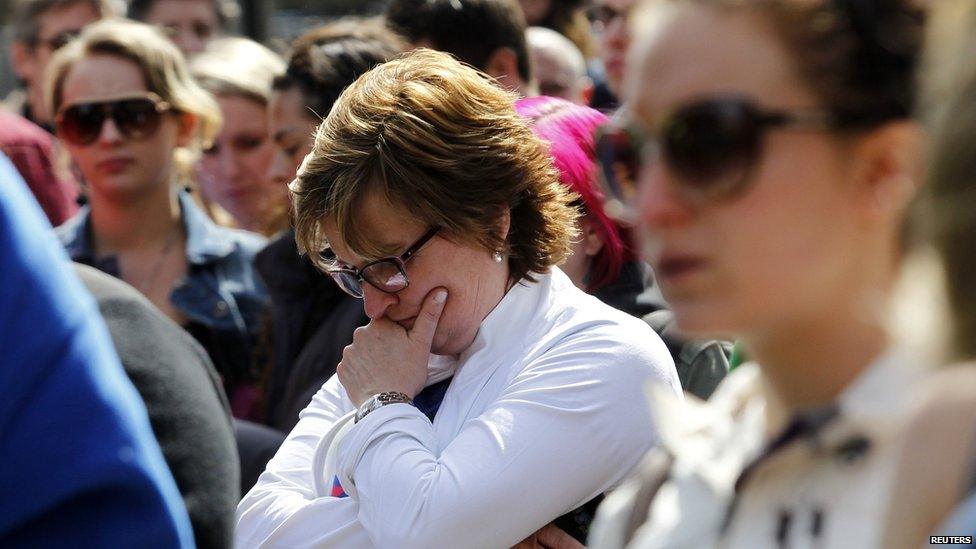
619 159
711 146
386 275
348 282
136 118
81 123
62 39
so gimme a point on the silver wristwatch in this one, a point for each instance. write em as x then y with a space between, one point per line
382 399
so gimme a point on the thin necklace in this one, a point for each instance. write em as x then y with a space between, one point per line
149 278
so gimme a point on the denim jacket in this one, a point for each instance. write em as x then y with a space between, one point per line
221 296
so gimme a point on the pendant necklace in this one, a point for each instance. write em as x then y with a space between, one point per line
149 278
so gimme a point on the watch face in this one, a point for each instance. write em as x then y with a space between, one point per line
367 406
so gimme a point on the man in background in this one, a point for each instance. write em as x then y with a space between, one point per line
486 34
41 27
559 66
610 24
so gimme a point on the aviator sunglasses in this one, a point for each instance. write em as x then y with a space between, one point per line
136 117
387 275
710 147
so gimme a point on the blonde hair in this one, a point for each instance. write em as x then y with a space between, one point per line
162 66
437 139
238 67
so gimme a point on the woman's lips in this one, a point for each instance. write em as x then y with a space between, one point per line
114 165
674 269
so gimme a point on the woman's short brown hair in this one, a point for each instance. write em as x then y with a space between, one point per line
439 140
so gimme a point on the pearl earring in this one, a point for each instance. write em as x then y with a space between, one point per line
497 256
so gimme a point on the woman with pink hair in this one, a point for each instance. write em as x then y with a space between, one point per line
603 261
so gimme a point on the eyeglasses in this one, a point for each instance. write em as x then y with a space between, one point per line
710 146
59 40
387 275
603 16
136 117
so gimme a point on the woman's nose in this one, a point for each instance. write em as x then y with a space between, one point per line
616 32
110 133
280 169
375 302
229 164
660 203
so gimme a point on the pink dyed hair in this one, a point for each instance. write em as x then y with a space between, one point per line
569 129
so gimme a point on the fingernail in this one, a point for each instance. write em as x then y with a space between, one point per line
440 297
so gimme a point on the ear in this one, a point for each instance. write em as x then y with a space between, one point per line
22 61
592 241
503 66
187 130
890 169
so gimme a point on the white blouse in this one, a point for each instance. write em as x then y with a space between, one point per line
546 410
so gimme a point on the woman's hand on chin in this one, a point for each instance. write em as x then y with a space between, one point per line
385 357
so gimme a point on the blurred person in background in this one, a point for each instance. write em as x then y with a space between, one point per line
777 159
558 66
485 379
129 112
567 17
41 27
188 410
32 150
81 466
936 494
603 262
233 172
489 35
613 34
313 318
190 24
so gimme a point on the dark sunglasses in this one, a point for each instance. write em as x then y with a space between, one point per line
710 146
136 117
386 275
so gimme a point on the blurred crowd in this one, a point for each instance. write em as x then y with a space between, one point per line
490 273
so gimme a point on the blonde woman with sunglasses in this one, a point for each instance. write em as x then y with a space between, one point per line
128 111
774 161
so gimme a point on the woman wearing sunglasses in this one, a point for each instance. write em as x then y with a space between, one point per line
775 169
127 111
426 195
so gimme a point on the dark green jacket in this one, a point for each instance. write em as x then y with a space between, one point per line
701 364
